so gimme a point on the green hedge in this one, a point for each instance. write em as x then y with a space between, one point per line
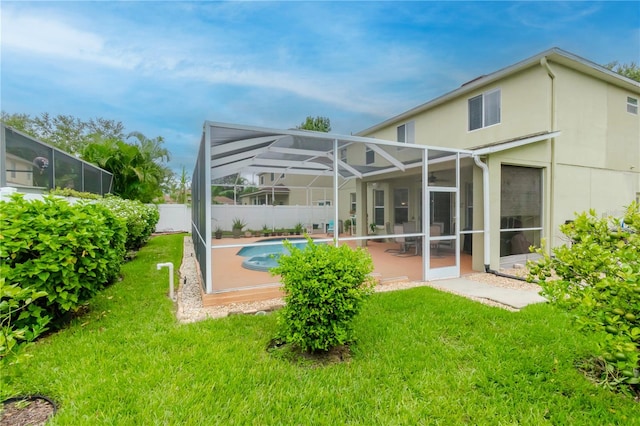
140 219
68 251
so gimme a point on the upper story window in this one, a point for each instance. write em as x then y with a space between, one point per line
273 175
370 156
343 154
407 132
484 110
632 105
261 180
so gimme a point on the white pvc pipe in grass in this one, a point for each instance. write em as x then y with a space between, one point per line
170 266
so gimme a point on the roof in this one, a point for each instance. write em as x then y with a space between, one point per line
555 54
513 143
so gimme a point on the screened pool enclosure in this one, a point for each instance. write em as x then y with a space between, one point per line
34 166
411 206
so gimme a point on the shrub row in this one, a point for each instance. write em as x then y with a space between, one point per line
140 219
56 255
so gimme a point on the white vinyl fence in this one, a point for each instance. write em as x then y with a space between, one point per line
274 217
177 217
174 218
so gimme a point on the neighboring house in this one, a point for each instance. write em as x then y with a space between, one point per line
284 189
557 134
222 200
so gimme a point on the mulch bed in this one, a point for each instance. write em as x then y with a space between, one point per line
27 411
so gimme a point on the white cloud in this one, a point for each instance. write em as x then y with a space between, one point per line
30 34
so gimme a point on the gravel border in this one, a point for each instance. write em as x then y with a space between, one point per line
189 296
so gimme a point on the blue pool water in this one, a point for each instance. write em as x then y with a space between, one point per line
265 257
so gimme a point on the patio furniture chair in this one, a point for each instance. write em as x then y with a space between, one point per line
409 228
397 229
330 227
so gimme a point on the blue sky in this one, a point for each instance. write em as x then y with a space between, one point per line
163 68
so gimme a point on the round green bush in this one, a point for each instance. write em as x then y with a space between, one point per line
324 288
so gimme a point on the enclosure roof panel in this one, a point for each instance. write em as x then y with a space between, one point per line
242 149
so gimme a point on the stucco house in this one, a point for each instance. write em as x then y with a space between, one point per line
277 188
473 177
553 134
32 166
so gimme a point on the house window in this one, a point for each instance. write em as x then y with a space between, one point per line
343 154
370 156
632 105
272 176
378 207
406 132
484 110
520 209
352 197
400 205
261 180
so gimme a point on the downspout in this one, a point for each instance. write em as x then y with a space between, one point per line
485 206
552 171
487 226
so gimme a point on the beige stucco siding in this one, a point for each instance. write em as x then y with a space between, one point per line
597 131
525 109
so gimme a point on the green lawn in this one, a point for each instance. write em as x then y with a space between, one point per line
423 357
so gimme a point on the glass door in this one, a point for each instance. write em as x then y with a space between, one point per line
442 232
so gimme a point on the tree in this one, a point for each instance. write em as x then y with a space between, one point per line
318 124
630 70
65 132
178 186
138 169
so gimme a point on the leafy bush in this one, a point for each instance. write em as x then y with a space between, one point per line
67 251
16 302
598 280
324 289
140 219
68 192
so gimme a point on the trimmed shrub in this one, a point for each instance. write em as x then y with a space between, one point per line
598 281
324 288
140 219
67 251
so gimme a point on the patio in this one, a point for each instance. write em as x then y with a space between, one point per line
238 284
378 191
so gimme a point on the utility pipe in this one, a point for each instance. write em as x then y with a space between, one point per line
170 266
552 171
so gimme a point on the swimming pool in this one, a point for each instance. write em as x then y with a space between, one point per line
265 257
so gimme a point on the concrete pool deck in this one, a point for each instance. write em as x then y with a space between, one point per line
194 305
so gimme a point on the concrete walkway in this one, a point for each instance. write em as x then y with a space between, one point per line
515 298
